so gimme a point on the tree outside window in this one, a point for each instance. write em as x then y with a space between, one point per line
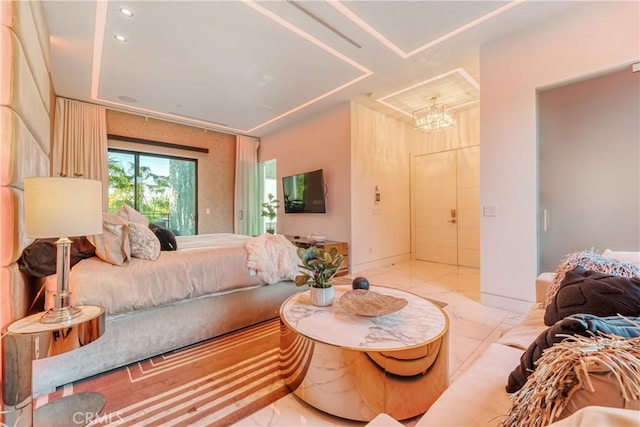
162 188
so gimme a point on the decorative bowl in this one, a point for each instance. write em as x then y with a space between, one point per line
369 303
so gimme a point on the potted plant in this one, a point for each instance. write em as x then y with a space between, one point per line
270 210
321 266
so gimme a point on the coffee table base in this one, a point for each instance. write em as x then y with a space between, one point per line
358 385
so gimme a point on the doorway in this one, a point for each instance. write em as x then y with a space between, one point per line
588 175
445 193
267 185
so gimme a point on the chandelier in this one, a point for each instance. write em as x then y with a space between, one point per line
434 117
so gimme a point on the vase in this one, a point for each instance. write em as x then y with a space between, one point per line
322 297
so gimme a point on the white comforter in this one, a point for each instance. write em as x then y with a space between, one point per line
203 265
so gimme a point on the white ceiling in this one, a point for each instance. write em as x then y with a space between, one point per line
254 67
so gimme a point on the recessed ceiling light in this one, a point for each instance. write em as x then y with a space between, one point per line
126 12
120 38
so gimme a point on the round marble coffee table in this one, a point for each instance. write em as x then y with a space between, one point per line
355 366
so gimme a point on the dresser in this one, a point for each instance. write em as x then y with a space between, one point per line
327 245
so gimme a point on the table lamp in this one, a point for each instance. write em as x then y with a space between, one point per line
60 208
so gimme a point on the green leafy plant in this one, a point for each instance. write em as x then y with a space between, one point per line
270 210
321 266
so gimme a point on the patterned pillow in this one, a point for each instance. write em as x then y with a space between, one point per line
590 292
144 243
590 260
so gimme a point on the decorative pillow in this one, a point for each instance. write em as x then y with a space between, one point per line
40 257
112 245
578 324
590 260
590 292
132 215
575 373
166 237
144 244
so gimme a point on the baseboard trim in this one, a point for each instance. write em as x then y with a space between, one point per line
384 262
505 303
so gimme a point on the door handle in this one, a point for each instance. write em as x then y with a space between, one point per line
453 213
452 221
545 220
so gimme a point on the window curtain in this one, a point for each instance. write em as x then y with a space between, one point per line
80 143
247 198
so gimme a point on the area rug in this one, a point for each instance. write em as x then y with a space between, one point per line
214 383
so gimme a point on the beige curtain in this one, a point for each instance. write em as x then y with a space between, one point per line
80 143
247 202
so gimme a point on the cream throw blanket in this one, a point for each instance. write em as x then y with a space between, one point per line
273 257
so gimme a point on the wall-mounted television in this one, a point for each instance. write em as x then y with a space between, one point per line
304 192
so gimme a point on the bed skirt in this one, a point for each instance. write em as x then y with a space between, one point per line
140 335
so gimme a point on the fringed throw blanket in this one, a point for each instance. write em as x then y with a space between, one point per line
273 257
564 369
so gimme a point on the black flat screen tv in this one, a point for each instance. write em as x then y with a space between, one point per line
304 193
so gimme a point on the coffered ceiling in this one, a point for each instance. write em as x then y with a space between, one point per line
254 67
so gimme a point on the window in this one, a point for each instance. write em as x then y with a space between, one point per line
268 185
163 188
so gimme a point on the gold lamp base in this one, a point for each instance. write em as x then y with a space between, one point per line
60 314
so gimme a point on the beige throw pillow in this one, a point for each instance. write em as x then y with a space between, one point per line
132 215
112 245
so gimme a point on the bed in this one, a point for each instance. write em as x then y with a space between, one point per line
182 297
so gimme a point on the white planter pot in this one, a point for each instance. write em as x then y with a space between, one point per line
322 297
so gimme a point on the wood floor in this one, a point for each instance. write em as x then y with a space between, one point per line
217 382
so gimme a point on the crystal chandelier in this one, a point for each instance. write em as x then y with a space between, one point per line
434 117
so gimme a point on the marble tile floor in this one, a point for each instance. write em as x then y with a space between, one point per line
472 327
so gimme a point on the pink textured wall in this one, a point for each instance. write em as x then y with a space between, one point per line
216 169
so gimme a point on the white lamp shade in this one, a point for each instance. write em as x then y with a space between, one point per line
62 207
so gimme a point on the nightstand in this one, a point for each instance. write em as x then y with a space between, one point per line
28 339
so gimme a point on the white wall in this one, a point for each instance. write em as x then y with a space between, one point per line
321 142
588 39
380 156
358 148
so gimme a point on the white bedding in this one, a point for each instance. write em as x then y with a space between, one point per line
202 265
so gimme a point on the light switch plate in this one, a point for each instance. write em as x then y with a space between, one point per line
489 211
